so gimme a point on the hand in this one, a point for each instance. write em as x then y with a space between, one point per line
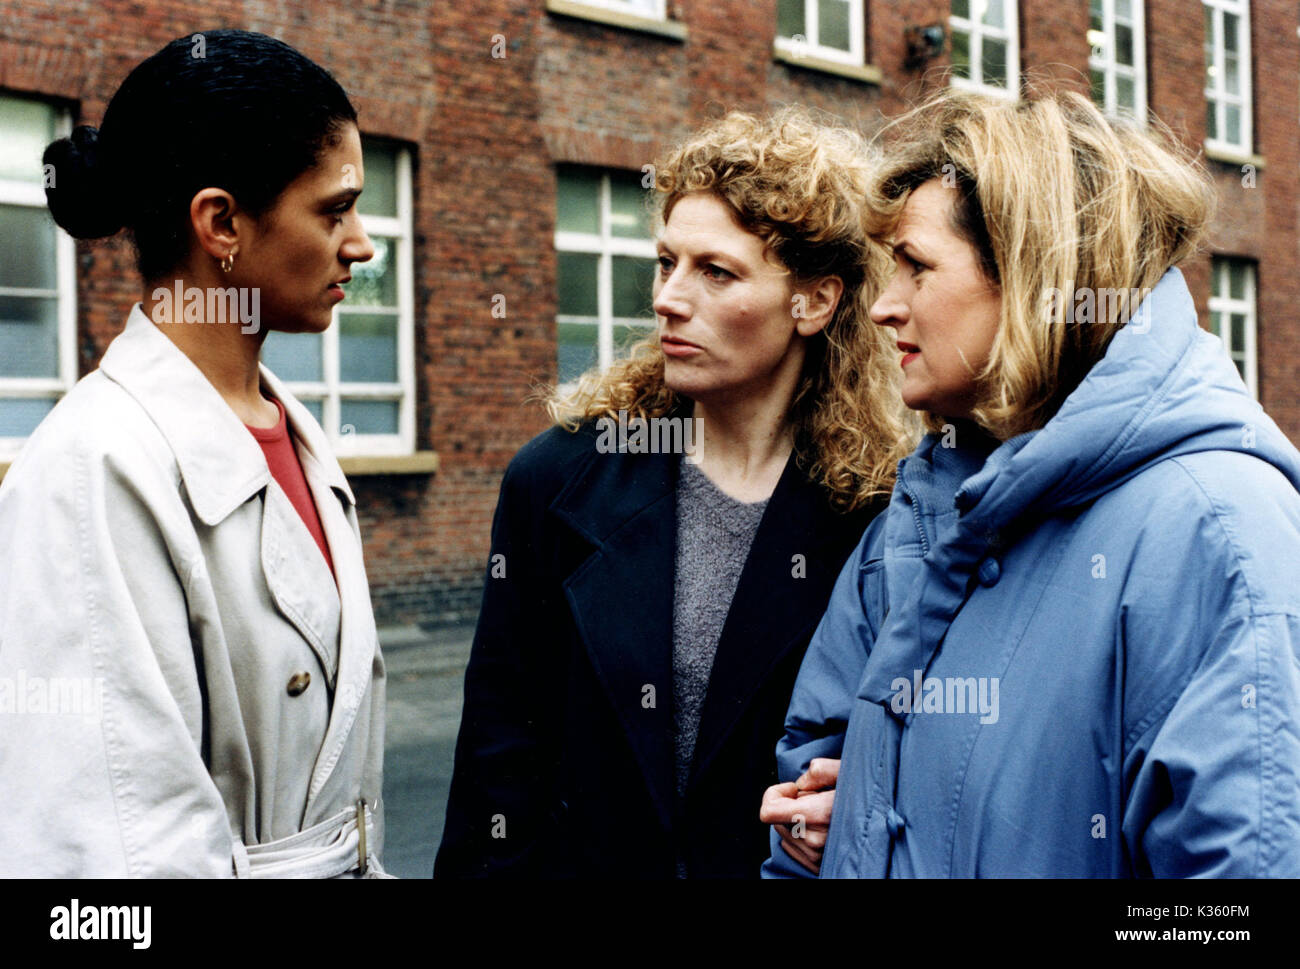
801 811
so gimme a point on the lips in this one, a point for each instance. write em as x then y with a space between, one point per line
678 341
676 347
910 352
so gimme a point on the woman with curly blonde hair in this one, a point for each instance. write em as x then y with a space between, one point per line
645 614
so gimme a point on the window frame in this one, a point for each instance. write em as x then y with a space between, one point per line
605 246
626 7
331 389
1219 98
978 31
1225 305
811 45
1111 69
65 292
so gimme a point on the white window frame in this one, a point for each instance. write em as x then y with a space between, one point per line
658 11
331 389
810 46
1223 304
1111 69
606 246
978 31
33 194
1217 96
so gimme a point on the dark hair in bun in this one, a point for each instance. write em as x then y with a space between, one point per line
225 109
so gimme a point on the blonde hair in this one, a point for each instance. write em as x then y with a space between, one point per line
1056 199
799 186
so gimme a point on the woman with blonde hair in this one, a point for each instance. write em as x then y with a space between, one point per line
644 615
1069 647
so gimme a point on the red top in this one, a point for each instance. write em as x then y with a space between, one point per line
282 459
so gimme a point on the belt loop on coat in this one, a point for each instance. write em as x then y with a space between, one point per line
362 853
242 868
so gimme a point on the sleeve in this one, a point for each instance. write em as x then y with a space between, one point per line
499 811
1216 791
818 716
100 701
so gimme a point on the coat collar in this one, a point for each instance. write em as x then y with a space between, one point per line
220 463
621 599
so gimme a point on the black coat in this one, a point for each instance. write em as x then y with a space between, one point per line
565 759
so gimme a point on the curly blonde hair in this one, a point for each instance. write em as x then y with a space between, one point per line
800 187
1056 199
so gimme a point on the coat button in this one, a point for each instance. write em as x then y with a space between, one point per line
989 572
895 823
298 684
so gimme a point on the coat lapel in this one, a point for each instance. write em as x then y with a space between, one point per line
621 598
779 600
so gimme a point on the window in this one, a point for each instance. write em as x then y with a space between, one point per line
985 46
38 324
358 377
833 30
1232 314
1227 76
606 264
1118 61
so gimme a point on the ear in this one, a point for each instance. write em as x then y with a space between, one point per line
212 217
814 305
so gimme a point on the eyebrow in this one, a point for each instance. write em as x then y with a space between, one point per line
908 248
338 198
706 256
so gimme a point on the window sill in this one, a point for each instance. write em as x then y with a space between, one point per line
1234 156
421 462
671 29
867 73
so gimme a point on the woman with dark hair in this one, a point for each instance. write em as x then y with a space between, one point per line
177 541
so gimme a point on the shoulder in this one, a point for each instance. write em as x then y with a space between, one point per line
547 463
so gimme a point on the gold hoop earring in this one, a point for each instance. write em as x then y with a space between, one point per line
228 262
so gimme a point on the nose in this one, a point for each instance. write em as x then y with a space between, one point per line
670 297
357 247
890 309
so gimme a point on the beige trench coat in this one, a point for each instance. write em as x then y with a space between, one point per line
159 595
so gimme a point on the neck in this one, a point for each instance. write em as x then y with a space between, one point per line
746 444
223 352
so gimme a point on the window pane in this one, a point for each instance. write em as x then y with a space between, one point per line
993 15
1123 8
28 127
995 62
368 347
1238 323
26 248
1209 26
1230 24
577 350
293 356
379 193
19 416
633 282
1216 323
1231 74
1237 280
628 216
789 18
316 407
29 337
1094 12
368 416
374 283
1241 367
1098 87
1123 45
960 53
1125 94
625 336
577 279
578 201
833 24
1211 120
1232 124
961 8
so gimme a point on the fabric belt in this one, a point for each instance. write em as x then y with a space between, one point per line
337 846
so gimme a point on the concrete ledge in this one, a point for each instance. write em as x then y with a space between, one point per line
867 73
421 462
671 29
1235 157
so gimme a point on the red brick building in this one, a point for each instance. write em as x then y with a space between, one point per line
504 151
